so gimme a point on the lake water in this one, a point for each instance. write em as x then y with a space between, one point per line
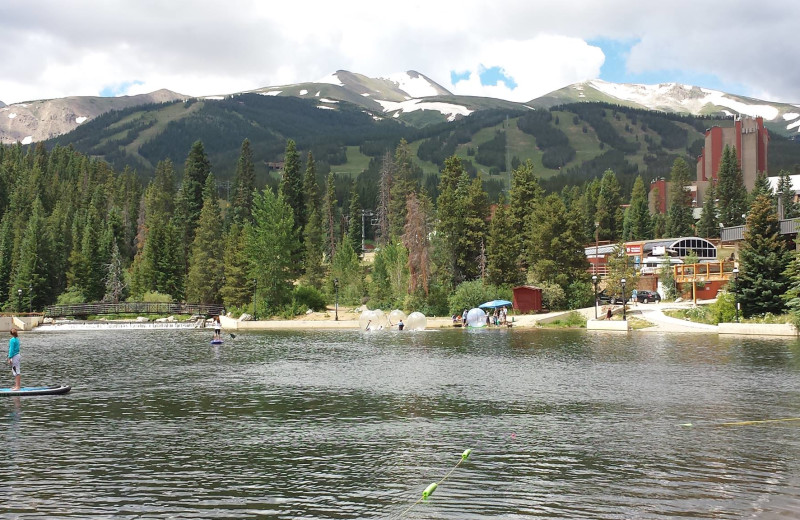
344 424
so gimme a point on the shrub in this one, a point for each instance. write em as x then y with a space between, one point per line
306 297
471 294
553 296
72 296
723 310
156 297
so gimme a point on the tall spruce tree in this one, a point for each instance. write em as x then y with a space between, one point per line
245 183
764 257
237 289
270 240
415 240
354 222
329 216
206 274
556 249
525 194
609 208
291 186
501 249
189 200
680 222
638 225
405 181
731 192
708 226
313 235
786 195
31 276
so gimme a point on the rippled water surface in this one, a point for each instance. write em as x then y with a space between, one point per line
309 425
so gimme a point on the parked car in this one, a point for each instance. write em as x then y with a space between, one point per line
647 296
605 298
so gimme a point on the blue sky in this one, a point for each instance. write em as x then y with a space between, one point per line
615 70
507 49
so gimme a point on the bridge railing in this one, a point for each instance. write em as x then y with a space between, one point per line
86 309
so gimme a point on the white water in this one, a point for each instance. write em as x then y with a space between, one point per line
95 325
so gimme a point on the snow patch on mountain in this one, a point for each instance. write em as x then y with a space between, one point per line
270 93
81 119
790 115
448 109
679 97
796 124
325 100
331 79
415 86
12 115
28 140
303 92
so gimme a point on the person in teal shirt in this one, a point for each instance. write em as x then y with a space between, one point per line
13 358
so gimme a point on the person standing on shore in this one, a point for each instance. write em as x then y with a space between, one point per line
14 358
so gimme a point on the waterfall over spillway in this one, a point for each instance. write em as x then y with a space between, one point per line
107 325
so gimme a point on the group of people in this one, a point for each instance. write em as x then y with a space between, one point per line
498 317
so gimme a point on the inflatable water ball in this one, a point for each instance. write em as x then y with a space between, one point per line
395 316
416 321
476 318
373 320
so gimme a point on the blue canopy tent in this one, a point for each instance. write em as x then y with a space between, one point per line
495 304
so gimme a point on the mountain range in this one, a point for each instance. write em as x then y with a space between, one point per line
411 97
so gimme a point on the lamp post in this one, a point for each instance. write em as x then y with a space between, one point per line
736 291
594 281
255 290
336 300
30 298
19 300
624 301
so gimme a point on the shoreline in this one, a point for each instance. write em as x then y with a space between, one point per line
652 313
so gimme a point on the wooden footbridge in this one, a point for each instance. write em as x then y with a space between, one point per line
93 309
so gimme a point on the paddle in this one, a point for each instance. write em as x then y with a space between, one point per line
233 336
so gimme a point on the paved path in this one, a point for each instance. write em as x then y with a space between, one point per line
653 312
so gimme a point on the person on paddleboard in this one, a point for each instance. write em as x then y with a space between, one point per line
13 358
217 327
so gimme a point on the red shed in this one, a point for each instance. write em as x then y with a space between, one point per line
527 298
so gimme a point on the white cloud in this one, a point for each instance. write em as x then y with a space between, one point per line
209 47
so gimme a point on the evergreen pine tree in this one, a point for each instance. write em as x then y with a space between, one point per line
31 275
786 194
556 250
354 222
731 192
245 183
270 240
708 226
638 223
329 217
680 222
314 244
291 186
524 196
415 240
237 289
189 200
609 208
763 260
404 182
205 278
501 249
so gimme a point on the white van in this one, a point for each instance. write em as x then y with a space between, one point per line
653 264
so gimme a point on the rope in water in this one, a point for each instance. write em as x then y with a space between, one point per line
432 487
